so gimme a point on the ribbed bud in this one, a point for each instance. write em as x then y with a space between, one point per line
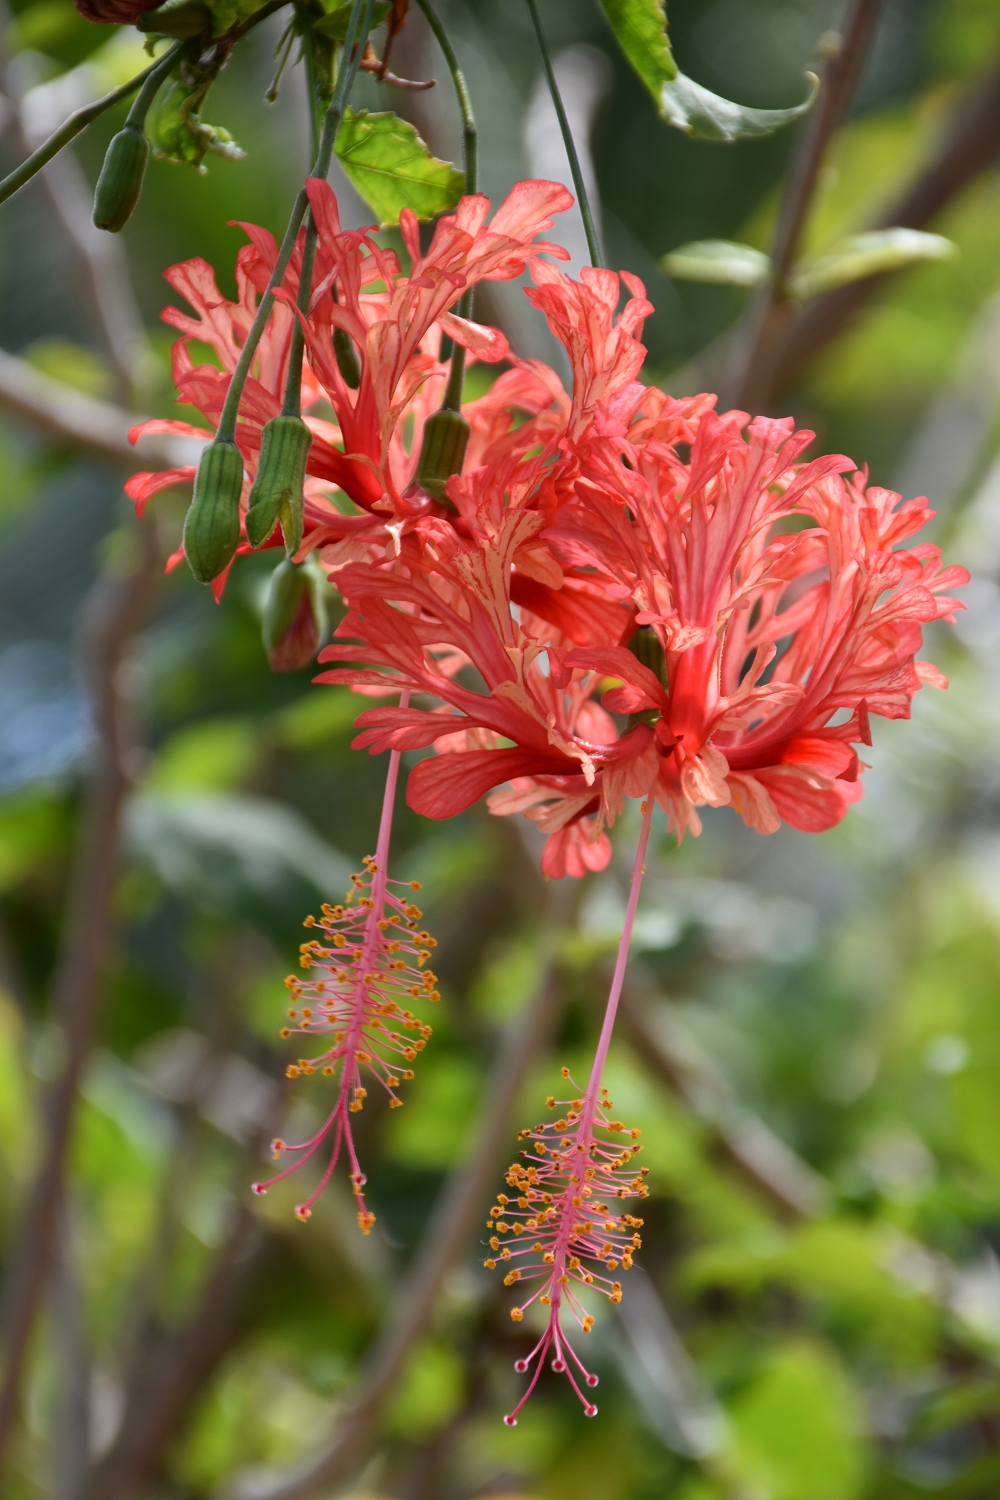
120 182
277 489
177 18
347 358
212 525
646 648
295 615
442 453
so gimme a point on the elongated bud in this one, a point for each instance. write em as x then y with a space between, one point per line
446 437
212 525
295 615
120 182
347 358
277 489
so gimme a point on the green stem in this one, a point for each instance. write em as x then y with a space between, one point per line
151 86
331 124
470 160
81 118
567 135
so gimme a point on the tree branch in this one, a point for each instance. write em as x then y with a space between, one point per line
970 147
447 1235
743 1138
168 1374
115 611
839 80
97 428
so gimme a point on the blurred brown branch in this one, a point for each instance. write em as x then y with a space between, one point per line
772 310
168 1371
97 428
970 147
116 609
741 1136
447 1235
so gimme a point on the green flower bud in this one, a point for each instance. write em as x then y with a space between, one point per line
212 525
295 615
347 358
446 437
120 182
177 18
646 648
277 489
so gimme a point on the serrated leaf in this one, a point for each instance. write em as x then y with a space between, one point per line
640 27
867 254
700 113
719 261
392 168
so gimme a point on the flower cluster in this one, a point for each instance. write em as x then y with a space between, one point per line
560 1232
361 979
618 594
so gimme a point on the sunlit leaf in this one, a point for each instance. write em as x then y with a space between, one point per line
641 29
697 111
868 254
392 168
717 260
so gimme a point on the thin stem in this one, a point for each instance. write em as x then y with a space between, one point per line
80 119
611 1012
389 800
567 135
321 167
452 1225
470 161
136 116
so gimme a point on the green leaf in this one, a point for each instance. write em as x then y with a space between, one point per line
392 168
719 261
641 29
868 254
174 127
700 113
335 22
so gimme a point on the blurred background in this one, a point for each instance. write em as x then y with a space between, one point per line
811 1036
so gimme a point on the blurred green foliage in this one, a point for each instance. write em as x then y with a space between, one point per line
844 989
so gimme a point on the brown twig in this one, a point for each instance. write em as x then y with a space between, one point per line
447 1236
116 609
168 1373
970 147
768 318
742 1137
97 428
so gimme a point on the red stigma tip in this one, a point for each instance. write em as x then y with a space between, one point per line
510 1421
520 1365
259 1189
590 1411
591 1379
559 1365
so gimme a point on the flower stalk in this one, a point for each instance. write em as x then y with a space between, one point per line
559 1231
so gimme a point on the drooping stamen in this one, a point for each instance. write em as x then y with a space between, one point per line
363 974
560 1229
